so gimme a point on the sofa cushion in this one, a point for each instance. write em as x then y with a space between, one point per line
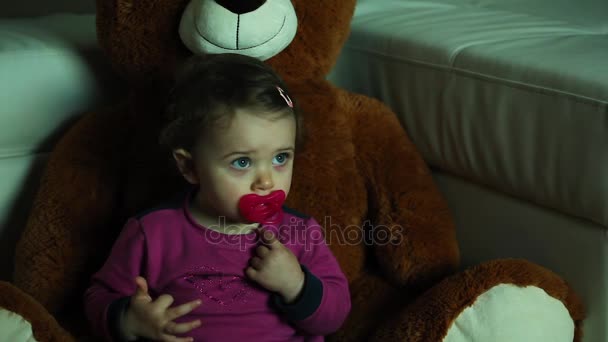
502 93
51 73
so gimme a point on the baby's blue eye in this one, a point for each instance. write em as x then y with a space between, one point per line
280 159
241 163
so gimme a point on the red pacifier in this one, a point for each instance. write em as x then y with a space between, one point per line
263 209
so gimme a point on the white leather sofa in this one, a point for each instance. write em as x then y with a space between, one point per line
51 71
508 103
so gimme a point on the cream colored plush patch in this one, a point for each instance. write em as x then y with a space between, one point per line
15 328
507 313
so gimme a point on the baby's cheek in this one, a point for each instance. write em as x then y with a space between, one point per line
235 189
285 185
233 199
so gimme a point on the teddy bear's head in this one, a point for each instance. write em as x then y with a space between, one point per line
146 40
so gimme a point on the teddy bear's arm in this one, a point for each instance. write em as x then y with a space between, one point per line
16 305
415 240
76 197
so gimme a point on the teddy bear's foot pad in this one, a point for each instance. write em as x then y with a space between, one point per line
14 327
496 301
508 313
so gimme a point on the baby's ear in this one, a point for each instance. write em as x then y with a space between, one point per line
185 164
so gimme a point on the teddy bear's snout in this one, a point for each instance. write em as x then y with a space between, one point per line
257 28
241 6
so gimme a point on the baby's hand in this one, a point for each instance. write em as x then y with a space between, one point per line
154 319
276 268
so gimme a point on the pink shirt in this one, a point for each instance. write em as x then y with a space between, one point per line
188 261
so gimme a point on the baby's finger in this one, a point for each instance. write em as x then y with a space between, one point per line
262 251
270 240
142 286
256 263
141 292
164 301
251 273
181 328
183 309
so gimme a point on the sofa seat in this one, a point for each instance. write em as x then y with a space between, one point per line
511 94
508 103
51 72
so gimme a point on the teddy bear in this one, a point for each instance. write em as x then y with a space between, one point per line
358 174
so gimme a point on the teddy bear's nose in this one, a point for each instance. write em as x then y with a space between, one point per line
241 6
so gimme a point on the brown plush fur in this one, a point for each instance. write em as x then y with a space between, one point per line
358 165
45 327
429 317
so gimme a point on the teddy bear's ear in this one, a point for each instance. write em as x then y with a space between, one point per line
257 28
323 27
140 37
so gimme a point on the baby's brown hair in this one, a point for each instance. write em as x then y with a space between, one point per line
209 89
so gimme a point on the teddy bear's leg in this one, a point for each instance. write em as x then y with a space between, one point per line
373 300
24 319
499 301
413 232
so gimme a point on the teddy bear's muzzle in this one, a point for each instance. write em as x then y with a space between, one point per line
256 28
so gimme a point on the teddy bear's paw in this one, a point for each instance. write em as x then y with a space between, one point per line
507 312
14 327
497 301
24 319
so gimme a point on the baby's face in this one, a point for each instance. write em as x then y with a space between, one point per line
253 154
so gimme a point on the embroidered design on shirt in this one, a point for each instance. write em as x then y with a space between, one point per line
218 287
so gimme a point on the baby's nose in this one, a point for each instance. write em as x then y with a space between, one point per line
263 182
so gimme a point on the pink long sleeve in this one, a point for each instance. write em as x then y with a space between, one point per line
116 279
188 261
325 276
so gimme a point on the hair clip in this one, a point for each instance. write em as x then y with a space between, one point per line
285 97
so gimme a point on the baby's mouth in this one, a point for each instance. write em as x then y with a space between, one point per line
262 209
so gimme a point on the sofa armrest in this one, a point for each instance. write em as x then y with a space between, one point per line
52 72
